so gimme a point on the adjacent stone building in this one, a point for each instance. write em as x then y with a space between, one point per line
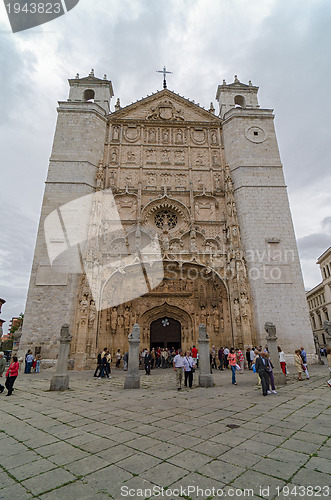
207 190
319 299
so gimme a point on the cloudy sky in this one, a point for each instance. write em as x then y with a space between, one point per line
282 46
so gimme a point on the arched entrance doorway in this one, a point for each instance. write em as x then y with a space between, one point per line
165 332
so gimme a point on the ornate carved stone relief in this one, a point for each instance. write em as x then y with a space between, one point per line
156 210
165 179
199 157
205 208
127 206
150 155
131 133
199 136
179 157
166 110
131 155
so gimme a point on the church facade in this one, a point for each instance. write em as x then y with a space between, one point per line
207 190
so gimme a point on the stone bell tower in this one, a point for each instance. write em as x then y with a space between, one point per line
76 153
264 216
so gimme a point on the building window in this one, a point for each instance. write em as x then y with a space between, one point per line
314 322
165 219
324 341
328 270
239 101
89 95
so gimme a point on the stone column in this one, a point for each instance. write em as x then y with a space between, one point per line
60 381
205 377
317 349
132 380
327 329
279 376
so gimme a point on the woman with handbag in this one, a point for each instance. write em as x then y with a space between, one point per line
189 369
298 363
11 375
232 359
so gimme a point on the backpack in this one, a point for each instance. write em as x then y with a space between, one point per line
99 358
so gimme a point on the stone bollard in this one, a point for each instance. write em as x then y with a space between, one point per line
327 329
60 381
205 377
132 380
317 349
279 376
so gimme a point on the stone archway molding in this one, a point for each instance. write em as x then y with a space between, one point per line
166 309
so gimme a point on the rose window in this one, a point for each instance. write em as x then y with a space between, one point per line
165 219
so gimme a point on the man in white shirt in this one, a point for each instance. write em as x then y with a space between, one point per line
252 356
226 353
178 365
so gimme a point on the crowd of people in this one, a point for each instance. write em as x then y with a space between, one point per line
32 363
183 363
253 358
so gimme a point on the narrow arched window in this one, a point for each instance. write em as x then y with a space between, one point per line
239 101
89 95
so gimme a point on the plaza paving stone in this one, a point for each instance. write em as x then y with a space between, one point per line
88 442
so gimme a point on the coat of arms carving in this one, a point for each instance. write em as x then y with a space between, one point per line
165 111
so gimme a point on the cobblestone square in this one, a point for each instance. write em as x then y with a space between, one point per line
99 441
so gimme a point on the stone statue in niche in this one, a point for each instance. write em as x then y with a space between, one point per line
150 155
131 157
199 159
127 318
128 180
215 159
83 307
217 182
213 137
165 156
114 156
179 136
236 310
179 156
165 135
92 314
203 315
116 133
152 135
112 178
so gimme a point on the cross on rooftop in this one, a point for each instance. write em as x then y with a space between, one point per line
165 72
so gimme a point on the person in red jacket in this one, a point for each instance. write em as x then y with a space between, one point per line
11 375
